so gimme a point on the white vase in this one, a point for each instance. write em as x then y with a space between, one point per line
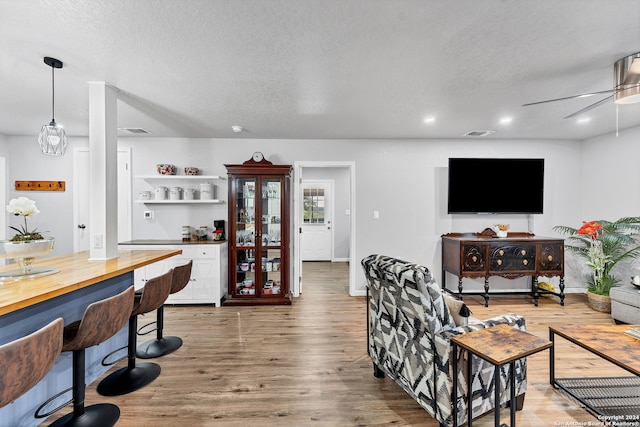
25 252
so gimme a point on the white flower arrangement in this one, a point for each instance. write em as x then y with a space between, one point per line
26 208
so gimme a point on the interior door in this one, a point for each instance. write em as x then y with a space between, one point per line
81 197
316 238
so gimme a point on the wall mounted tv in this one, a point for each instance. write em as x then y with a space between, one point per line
492 186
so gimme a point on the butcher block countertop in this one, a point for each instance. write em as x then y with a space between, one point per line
76 272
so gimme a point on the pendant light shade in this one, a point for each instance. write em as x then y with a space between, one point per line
52 138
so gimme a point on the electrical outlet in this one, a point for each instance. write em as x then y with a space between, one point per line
148 214
376 215
97 241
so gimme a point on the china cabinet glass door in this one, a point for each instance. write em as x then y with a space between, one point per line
271 205
245 238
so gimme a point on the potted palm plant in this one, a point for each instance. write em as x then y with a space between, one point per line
603 244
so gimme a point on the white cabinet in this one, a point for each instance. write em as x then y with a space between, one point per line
186 181
207 284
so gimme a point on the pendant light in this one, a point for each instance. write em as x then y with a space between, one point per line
52 139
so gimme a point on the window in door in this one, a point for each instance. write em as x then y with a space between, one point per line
313 206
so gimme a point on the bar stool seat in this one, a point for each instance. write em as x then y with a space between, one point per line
164 345
101 320
133 377
25 361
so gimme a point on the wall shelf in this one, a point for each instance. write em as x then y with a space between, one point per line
179 177
181 202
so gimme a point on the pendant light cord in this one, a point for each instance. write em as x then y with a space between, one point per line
53 94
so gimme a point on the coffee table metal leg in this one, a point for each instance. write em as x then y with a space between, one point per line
512 397
454 348
496 388
552 365
469 387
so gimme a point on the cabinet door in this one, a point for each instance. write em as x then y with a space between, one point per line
271 237
244 264
202 278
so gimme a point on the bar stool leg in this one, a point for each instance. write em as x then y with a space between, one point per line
99 415
134 376
161 346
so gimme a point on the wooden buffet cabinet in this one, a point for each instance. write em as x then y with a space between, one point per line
476 255
258 233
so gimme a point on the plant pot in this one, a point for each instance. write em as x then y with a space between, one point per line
601 303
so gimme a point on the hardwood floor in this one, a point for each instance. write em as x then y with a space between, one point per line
307 365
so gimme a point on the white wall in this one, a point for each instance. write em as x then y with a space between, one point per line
25 162
610 182
405 180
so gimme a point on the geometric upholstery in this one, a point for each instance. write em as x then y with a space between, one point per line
410 330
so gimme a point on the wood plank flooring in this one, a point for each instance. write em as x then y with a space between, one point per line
307 365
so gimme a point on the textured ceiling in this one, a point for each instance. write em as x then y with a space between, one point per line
318 68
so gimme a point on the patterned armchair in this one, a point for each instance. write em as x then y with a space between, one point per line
410 328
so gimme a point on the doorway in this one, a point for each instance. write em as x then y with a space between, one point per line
344 187
81 240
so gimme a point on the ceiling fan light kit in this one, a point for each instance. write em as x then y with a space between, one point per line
627 74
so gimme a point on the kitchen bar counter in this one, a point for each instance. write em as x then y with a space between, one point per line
171 242
76 272
28 304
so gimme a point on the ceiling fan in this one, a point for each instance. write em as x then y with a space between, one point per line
626 90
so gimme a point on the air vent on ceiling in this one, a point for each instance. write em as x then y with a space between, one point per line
134 131
479 133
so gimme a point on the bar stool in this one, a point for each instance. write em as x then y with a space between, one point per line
164 345
134 377
101 320
25 361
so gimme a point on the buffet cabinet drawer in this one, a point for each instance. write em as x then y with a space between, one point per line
512 257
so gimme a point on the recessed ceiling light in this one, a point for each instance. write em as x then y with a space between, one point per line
429 119
506 120
584 120
236 129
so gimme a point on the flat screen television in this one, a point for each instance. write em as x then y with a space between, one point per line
493 186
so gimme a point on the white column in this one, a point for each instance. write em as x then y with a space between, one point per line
103 181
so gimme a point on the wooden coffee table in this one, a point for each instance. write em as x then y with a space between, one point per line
613 398
498 345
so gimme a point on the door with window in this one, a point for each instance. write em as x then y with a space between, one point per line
316 239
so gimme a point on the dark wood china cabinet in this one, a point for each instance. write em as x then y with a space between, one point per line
258 232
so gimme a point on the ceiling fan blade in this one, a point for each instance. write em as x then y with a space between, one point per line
589 107
584 95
